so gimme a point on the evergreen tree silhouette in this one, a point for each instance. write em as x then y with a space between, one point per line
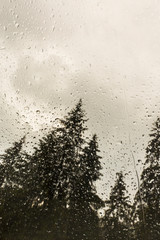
53 189
13 198
117 216
147 201
84 222
13 165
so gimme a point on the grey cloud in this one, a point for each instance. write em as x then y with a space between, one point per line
114 49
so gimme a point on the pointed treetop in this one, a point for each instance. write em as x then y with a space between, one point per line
153 148
77 108
16 148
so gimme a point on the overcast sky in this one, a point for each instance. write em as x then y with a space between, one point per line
107 52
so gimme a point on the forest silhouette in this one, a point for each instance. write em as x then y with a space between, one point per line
50 194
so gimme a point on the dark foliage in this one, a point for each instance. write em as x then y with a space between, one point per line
147 200
51 194
117 216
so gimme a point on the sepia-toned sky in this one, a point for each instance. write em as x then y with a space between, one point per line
107 52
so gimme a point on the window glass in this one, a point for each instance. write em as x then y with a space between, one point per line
79 120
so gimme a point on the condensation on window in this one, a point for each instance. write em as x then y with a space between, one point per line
80 120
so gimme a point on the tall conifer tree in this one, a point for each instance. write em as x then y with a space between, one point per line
117 217
147 200
58 183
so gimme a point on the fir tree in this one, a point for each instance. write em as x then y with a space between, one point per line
84 166
48 184
13 198
55 184
147 200
13 165
84 222
117 216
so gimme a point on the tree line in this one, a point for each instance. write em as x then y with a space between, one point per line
51 195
